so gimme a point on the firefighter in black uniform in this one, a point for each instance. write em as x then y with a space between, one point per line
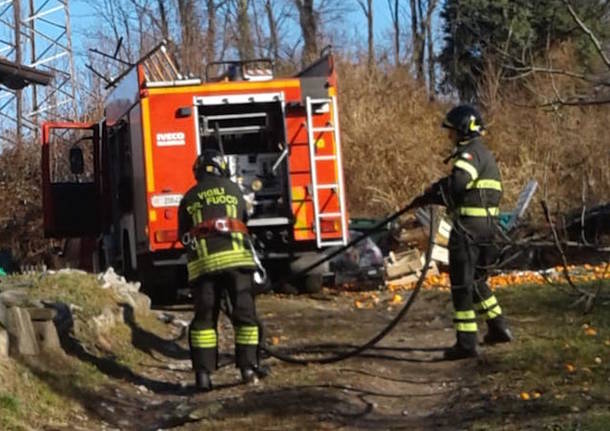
471 194
211 225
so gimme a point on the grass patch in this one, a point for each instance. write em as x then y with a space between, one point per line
555 374
9 403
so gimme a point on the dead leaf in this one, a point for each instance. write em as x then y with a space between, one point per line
569 368
536 395
590 331
396 299
524 396
275 341
358 304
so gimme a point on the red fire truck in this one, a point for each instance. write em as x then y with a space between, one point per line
116 185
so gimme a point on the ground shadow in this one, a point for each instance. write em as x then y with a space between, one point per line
149 342
383 353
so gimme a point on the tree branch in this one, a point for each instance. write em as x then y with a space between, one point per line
589 33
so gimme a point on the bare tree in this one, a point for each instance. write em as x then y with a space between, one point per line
421 22
395 13
210 52
367 8
430 47
273 30
243 32
190 35
309 29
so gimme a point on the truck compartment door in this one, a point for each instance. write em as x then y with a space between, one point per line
71 186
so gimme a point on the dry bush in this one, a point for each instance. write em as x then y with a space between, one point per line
392 141
393 145
565 148
21 197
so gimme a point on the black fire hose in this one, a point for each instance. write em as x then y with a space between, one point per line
401 314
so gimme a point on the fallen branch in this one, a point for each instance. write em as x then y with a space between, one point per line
585 296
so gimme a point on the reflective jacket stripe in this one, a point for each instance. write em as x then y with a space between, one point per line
478 212
484 184
219 261
463 164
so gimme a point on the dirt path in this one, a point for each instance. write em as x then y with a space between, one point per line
399 384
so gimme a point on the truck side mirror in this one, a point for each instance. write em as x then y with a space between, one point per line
77 162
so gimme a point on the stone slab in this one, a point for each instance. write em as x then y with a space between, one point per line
3 343
46 335
22 337
42 314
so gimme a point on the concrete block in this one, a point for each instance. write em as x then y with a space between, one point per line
403 263
22 337
14 297
42 314
3 343
46 335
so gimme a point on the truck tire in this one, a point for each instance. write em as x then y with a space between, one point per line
311 283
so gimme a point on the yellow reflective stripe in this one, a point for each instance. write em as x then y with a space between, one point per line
237 238
463 164
466 327
485 184
246 335
203 338
214 265
494 312
223 257
220 260
203 333
465 315
203 248
486 303
195 272
479 212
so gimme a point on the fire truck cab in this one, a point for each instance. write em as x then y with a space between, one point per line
116 185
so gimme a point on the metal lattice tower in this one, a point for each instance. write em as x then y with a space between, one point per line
36 33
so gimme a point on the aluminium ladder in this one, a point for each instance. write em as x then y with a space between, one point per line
336 187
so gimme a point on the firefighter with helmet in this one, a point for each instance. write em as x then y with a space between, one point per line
211 225
471 193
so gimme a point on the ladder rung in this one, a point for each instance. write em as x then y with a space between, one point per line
323 129
316 101
326 186
325 157
329 215
331 243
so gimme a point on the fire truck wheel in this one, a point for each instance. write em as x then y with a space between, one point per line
311 283
127 269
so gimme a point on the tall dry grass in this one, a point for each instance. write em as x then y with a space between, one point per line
392 141
393 145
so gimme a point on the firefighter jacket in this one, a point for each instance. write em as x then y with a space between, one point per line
474 187
212 198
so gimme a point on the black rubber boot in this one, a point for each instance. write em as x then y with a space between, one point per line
458 352
497 331
253 374
465 347
248 375
202 381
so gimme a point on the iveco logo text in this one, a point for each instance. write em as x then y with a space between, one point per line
170 139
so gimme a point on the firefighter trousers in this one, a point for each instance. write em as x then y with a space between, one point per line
471 254
208 291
